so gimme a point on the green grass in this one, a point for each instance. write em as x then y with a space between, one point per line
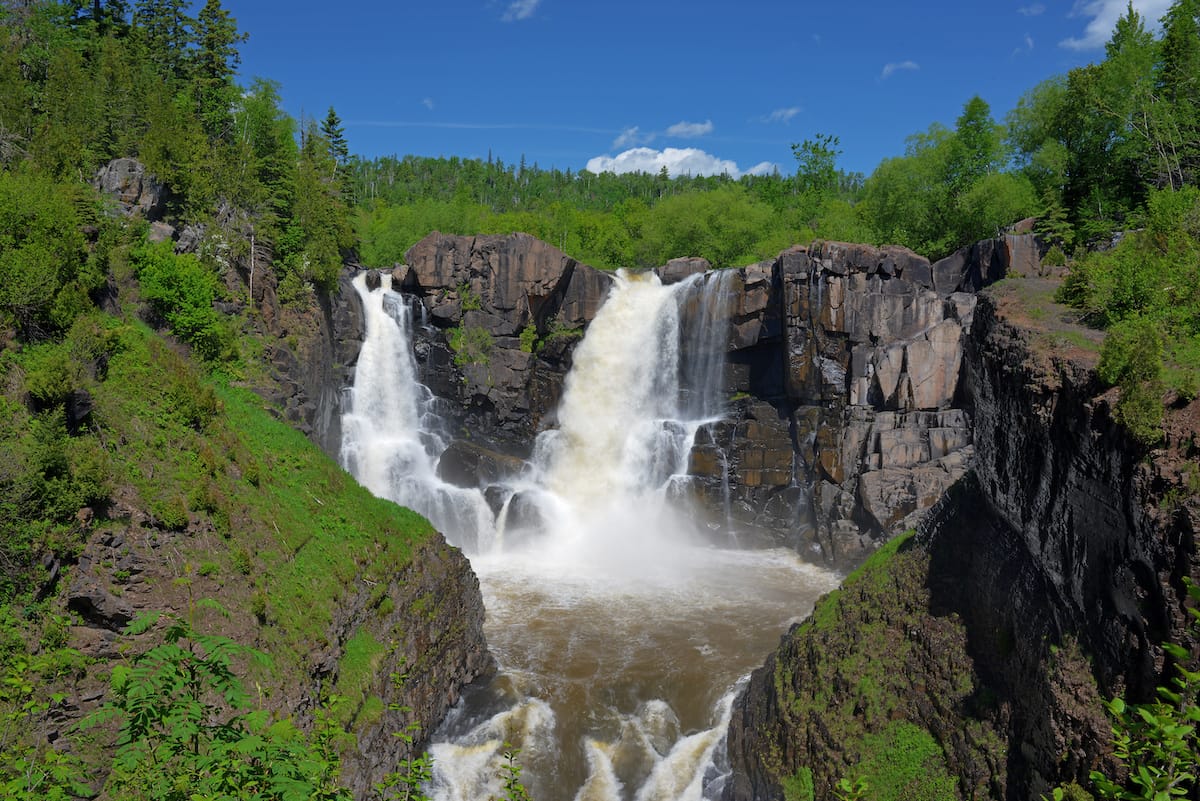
847 673
357 673
258 499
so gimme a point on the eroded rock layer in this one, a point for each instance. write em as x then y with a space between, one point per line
1048 576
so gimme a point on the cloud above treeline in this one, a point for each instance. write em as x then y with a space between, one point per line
1102 19
896 66
678 161
635 136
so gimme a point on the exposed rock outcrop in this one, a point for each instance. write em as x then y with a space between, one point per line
135 191
1054 568
435 627
494 298
844 364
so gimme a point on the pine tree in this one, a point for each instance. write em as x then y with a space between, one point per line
335 136
166 31
214 66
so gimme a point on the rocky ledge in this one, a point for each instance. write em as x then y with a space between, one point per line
1044 581
845 417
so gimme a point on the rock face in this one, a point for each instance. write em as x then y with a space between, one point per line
850 359
136 192
494 298
1054 570
441 650
844 364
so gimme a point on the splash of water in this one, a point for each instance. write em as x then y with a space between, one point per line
619 632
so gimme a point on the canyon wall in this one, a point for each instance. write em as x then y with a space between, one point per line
1044 581
845 419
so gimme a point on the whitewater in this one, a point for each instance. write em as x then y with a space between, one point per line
622 631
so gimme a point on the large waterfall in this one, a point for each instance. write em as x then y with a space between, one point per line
621 633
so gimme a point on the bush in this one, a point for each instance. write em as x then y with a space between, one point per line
471 345
1055 257
1132 358
182 291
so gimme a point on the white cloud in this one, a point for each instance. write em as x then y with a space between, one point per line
1032 10
1103 16
690 130
678 161
520 9
1028 42
782 114
427 102
632 136
896 66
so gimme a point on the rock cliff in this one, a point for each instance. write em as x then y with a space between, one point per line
348 594
1045 580
844 421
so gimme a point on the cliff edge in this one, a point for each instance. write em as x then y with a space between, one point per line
975 656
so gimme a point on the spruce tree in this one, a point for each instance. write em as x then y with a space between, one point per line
214 66
165 29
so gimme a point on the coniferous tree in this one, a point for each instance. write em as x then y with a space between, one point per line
335 135
166 31
214 66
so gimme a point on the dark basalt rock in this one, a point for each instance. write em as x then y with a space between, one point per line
1054 569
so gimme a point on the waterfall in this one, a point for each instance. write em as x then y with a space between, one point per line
390 433
619 632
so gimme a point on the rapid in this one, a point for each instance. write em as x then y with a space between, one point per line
622 630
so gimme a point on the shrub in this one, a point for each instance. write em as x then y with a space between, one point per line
182 291
529 338
1055 257
471 345
1132 358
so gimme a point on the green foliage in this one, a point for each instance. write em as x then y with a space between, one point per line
1131 358
181 290
1055 257
1147 292
904 762
42 255
510 776
187 729
529 338
799 786
847 790
1158 743
471 345
31 769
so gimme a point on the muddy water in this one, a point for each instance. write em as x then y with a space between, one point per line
621 634
615 688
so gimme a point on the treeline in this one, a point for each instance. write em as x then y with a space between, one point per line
1081 151
954 186
85 81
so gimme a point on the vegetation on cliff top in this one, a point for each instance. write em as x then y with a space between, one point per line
131 475
849 665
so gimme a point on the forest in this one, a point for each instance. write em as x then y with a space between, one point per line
1106 158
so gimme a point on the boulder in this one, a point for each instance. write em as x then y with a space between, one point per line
136 192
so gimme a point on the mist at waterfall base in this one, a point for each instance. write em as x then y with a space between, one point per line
621 631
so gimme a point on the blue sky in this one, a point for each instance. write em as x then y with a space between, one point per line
701 86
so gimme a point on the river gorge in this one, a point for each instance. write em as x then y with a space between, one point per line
647 510
620 629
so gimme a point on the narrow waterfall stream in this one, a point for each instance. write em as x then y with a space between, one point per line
621 632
